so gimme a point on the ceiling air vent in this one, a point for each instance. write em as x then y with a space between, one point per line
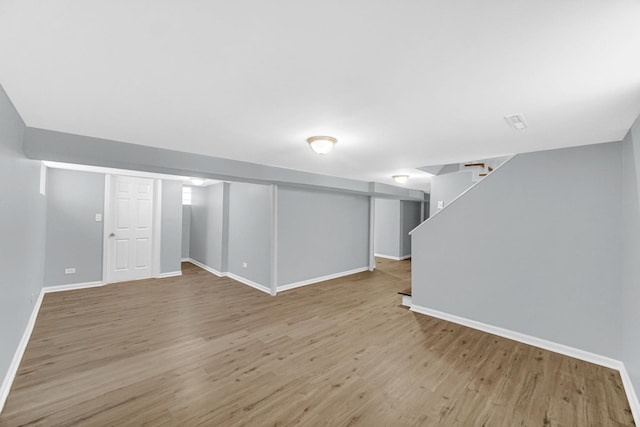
516 121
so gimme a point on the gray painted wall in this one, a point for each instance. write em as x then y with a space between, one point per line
631 254
186 230
535 247
74 237
409 219
447 187
22 227
386 227
386 240
250 232
207 226
394 219
199 225
171 227
320 233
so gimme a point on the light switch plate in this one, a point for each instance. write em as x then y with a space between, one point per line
98 217
244 265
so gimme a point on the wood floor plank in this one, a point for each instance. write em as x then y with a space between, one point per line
203 350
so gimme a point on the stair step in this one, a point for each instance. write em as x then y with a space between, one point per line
406 297
406 300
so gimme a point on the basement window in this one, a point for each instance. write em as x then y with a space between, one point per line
187 193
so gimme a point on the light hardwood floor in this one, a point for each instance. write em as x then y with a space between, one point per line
202 350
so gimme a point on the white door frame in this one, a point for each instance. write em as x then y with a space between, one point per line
156 233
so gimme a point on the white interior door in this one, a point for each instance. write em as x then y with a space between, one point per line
131 223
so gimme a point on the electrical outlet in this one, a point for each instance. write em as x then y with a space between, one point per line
69 271
244 265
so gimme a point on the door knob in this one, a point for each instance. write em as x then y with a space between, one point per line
112 235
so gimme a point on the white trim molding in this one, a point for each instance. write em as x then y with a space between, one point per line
632 397
248 282
235 277
372 233
206 267
321 279
72 287
106 226
395 258
185 260
17 356
520 337
273 288
547 345
22 346
156 231
268 289
169 274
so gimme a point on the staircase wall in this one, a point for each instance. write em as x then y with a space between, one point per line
445 188
535 247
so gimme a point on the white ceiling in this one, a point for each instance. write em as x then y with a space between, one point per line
401 84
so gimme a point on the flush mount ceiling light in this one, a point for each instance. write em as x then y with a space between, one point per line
322 144
400 179
197 181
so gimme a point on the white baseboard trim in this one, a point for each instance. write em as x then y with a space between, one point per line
248 282
72 286
632 397
634 403
185 260
395 258
520 337
206 267
22 346
321 279
169 274
235 277
547 345
17 356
